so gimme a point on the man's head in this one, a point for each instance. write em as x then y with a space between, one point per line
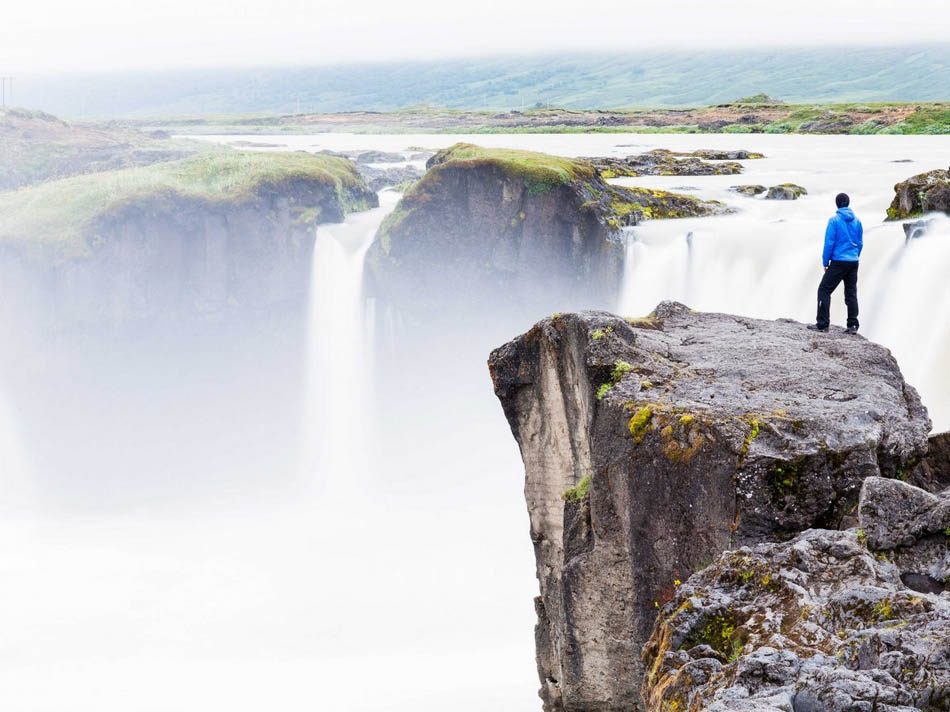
842 200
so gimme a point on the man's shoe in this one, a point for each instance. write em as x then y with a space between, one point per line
852 330
815 327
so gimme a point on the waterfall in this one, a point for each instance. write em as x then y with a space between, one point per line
771 269
337 417
14 477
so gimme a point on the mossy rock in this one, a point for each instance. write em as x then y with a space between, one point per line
785 191
920 194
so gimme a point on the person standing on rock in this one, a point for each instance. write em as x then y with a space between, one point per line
844 238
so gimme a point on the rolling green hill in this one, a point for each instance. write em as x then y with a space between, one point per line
607 80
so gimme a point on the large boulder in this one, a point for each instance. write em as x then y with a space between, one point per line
512 229
652 445
933 472
920 194
913 526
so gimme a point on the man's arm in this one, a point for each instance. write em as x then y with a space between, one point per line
860 237
829 243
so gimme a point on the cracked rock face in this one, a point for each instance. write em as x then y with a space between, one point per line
817 624
698 433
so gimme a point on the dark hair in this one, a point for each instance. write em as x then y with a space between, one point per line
842 200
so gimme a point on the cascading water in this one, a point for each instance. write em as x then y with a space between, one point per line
340 328
13 476
771 269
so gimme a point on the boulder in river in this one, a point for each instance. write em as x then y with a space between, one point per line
920 194
748 190
652 445
785 191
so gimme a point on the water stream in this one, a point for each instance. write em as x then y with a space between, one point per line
339 383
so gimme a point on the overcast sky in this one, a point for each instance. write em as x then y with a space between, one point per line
66 35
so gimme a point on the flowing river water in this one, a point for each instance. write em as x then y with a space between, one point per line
393 570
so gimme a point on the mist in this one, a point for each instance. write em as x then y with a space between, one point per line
106 35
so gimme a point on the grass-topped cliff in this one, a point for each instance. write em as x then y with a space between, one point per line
55 216
540 173
513 226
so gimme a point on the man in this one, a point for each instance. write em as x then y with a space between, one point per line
844 239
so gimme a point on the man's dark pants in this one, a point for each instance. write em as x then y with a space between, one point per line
837 272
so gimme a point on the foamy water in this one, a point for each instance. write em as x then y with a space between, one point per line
400 575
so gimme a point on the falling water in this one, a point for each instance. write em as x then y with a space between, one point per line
340 326
771 270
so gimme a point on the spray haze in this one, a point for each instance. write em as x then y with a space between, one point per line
233 473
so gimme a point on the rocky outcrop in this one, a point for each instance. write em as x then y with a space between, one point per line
378 178
661 162
676 437
920 194
817 624
749 191
516 229
785 191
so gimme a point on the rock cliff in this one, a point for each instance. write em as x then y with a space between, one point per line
513 228
652 445
197 237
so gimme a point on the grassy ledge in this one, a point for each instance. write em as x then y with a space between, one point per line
50 218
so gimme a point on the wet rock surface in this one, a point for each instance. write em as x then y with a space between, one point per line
696 433
920 194
378 178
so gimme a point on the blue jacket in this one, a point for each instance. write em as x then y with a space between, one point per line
844 238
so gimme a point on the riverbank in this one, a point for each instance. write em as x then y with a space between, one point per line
741 117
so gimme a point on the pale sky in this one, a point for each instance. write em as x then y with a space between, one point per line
66 35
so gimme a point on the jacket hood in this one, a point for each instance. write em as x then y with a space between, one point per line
846 214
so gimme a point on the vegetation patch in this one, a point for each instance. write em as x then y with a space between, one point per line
540 172
640 424
579 491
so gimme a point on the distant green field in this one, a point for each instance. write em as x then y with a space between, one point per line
592 80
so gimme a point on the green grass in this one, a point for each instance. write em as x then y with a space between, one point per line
539 171
577 493
54 215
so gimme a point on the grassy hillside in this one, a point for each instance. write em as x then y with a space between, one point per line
607 80
50 218
36 146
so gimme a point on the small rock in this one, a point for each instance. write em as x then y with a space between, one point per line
785 191
748 190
